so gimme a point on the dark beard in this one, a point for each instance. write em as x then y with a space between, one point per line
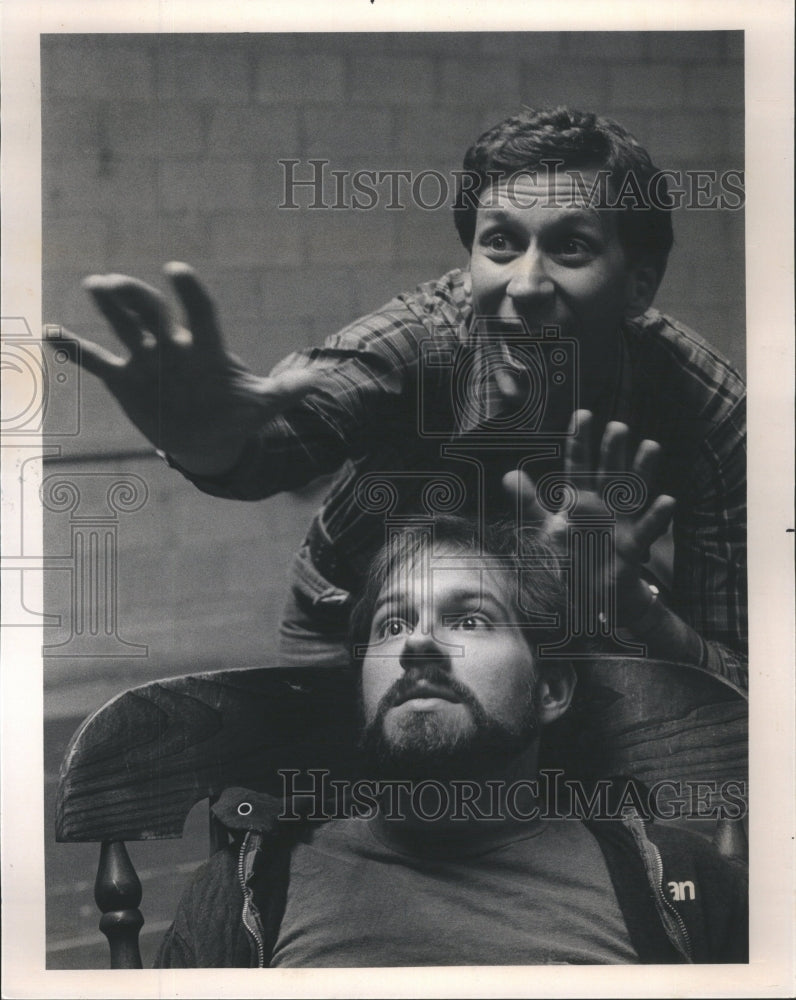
423 750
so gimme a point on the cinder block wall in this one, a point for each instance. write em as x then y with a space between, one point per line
167 147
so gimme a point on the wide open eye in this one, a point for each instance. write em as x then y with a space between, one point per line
472 622
573 250
498 244
393 627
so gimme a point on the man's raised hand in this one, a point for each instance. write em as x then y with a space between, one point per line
633 533
179 385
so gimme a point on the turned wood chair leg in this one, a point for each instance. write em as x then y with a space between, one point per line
117 892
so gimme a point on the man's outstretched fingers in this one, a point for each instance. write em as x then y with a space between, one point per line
577 453
144 302
126 328
613 448
646 461
654 521
200 312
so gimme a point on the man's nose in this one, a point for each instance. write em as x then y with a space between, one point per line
422 649
530 279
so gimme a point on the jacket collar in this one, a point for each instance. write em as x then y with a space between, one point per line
241 810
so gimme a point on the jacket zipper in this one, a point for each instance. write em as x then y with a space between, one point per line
248 919
678 934
685 941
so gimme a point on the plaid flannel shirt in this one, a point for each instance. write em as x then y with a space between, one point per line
376 394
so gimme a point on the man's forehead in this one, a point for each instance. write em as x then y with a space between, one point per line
451 575
567 190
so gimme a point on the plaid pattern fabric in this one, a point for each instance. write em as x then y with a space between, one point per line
381 400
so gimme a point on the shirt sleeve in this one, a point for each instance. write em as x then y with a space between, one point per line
710 585
365 392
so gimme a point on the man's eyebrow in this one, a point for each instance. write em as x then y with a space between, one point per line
498 214
391 597
476 597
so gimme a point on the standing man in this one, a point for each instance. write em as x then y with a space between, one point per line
566 220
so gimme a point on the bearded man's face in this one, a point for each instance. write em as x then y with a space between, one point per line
448 679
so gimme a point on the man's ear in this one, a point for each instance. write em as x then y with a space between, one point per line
554 690
642 284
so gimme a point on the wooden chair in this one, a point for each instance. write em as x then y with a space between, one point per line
137 766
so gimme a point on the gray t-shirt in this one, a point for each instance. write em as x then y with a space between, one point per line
357 898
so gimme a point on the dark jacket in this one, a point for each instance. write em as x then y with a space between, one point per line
681 901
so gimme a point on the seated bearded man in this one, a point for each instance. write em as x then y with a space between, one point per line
447 857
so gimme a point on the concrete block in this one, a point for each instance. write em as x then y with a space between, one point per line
74 238
244 239
734 136
211 185
103 67
160 238
432 231
480 81
348 238
253 131
195 67
675 138
528 45
300 78
63 300
100 184
316 292
341 42
734 45
715 86
549 84
391 80
437 133
685 46
339 133
434 43
162 130
603 46
68 128
647 85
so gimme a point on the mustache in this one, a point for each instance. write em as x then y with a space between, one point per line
429 681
